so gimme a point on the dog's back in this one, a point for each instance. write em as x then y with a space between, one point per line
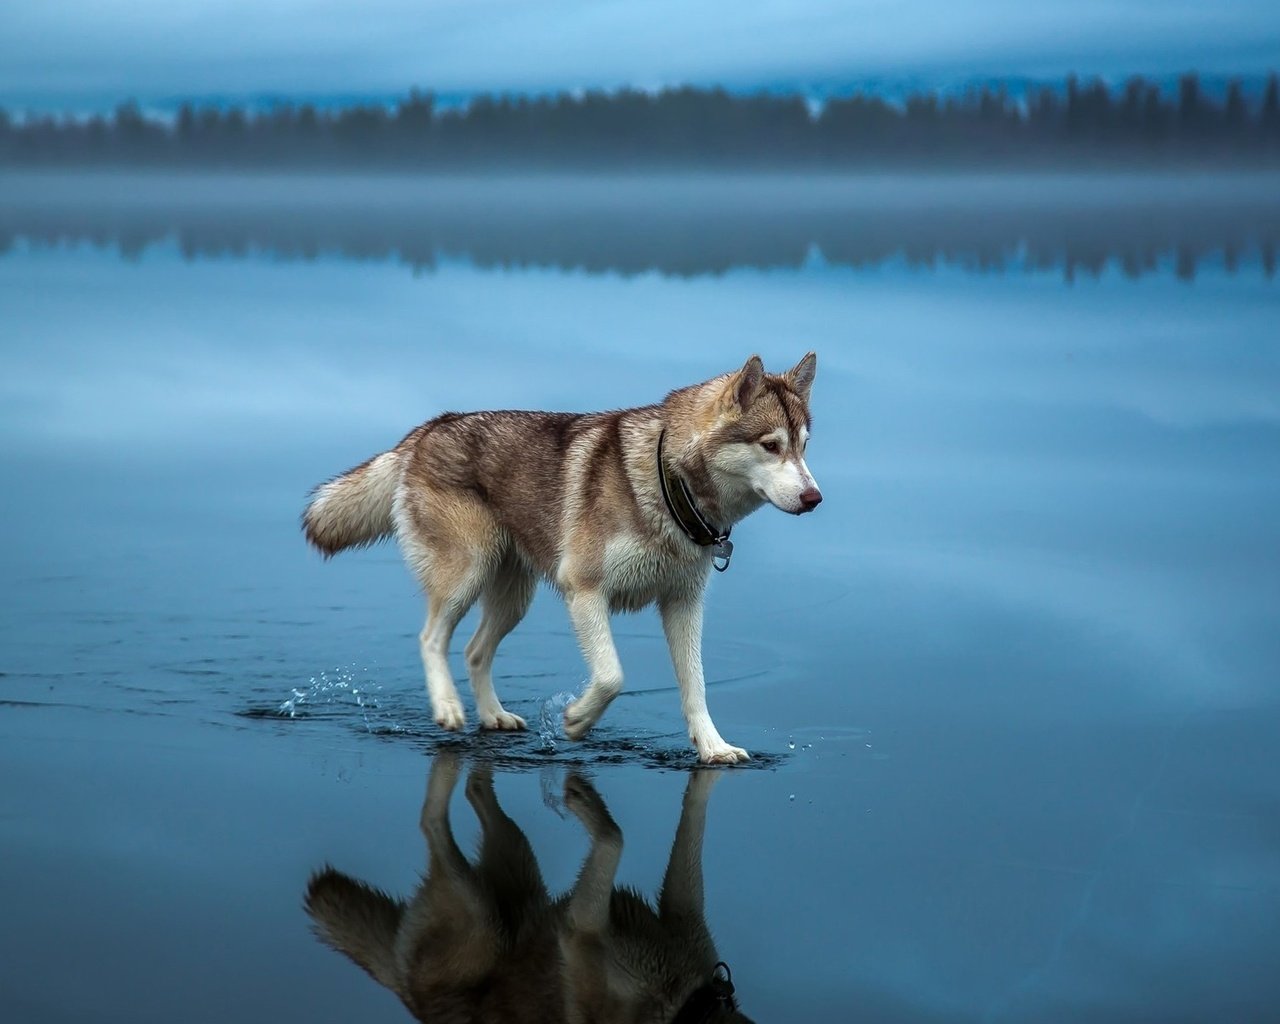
511 475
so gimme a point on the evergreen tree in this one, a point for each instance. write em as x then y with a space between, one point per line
689 126
1233 110
1269 117
1189 105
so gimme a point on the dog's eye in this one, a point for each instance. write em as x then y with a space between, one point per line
771 447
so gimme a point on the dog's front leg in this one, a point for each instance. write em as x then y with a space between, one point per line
589 611
593 891
681 894
682 622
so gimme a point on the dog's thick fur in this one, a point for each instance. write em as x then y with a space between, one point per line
485 942
483 504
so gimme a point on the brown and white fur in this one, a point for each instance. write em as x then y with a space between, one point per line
486 503
485 941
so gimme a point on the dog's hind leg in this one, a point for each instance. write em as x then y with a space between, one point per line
447 603
505 600
452 543
449 905
443 850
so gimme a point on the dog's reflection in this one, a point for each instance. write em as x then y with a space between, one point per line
486 942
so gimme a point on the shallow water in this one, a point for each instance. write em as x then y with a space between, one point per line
1010 692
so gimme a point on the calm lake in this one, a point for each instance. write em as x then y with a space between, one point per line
1011 692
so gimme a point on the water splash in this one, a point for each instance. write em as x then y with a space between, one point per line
290 706
552 786
332 691
361 699
551 719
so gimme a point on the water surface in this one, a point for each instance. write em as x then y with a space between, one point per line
1010 690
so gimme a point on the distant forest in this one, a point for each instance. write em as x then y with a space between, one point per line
1085 122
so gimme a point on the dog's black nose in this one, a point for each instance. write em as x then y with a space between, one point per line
810 499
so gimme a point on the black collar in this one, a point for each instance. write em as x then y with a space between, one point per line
704 1000
684 510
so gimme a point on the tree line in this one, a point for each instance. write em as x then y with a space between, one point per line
1083 121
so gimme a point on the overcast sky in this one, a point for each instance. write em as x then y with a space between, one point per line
80 50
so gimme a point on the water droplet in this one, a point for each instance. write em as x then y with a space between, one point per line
551 718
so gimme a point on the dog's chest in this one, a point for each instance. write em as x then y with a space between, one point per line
637 574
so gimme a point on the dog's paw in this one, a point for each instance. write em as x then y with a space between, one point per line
722 753
501 720
577 723
480 778
450 715
445 770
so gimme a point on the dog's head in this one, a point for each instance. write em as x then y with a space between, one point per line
761 431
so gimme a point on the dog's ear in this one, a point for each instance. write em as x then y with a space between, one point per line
746 384
800 377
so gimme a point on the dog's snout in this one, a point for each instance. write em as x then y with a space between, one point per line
810 498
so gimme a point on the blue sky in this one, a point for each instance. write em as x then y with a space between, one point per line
76 51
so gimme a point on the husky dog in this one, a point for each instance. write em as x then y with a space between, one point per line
486 942
617 510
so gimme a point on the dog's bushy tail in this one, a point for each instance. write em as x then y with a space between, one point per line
354 509
358 920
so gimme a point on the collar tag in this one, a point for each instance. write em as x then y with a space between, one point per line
721 549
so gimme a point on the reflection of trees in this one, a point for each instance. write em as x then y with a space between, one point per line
638 228
1085 121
